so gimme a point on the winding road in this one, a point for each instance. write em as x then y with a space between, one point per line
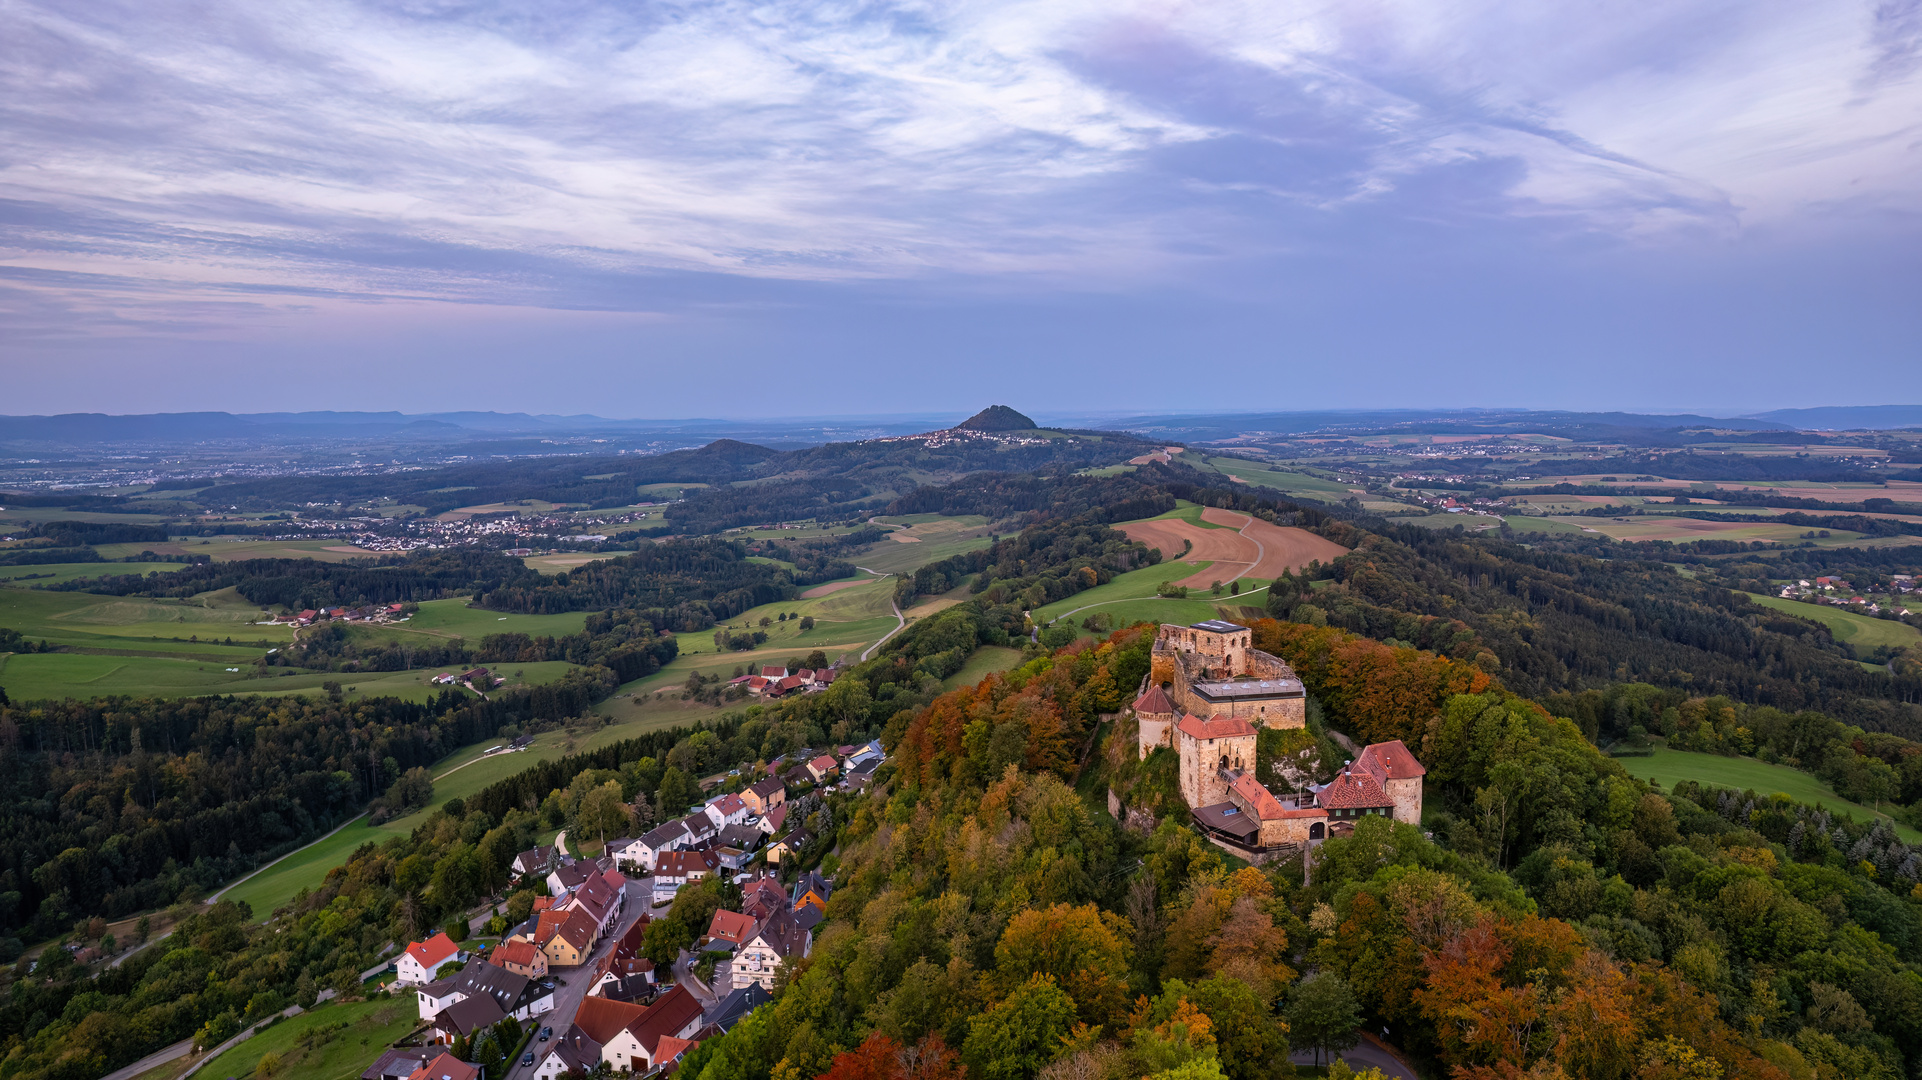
900 620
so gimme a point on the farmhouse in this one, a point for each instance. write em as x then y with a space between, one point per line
1210 670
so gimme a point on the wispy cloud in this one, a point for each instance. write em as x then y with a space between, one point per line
539 153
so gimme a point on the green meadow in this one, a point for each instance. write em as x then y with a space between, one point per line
983 662
372 1026
1188 512
61 573
1864 632
1747 774
1134 585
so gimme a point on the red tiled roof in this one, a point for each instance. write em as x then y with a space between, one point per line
516 951
577 929
673 1011
1353 788
730 926
822 764
1263 803
433 952
792 682
771 672
756 683
1154 701
1390 761
670 1048
1215 727
603 1018
446 1067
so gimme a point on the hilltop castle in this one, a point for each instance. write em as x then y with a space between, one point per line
1208 695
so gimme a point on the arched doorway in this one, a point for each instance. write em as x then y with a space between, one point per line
1315 831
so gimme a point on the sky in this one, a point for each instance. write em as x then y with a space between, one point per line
777 209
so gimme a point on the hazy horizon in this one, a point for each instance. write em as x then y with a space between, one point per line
689 209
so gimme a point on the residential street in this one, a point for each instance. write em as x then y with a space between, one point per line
575 980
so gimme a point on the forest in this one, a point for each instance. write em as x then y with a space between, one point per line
989 916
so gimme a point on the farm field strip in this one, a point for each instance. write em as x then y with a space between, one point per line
1743 774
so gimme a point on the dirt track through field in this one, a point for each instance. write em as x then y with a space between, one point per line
1258 549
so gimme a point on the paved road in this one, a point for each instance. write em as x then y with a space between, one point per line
157 1058
1365 1055
575 980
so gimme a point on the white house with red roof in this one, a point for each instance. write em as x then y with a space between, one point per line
417 965
729 809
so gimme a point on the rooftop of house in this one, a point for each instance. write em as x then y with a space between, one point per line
1216 626
1353 789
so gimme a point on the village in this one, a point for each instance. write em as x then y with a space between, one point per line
1873 597
573 982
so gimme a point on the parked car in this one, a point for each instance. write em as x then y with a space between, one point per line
547 1033
527 1058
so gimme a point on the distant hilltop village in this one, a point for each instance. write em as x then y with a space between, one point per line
1209 691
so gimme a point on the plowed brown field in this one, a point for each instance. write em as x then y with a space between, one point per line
1259 549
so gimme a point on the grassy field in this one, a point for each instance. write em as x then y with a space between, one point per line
454 619
58 573
934 537
152 653
1258 474
985 661
371 1027
1862 631
459 775
1188 512
1745 774
1130 598
555 564
1133 585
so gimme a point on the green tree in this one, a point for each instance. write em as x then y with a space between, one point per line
603 813
1016 1038
1323 1014
678 792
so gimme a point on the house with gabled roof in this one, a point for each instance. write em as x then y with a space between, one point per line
823 767
446 1067
573 1052
537 860
811 888
764 795
418 963
520 957
778 940
730 927
572 938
